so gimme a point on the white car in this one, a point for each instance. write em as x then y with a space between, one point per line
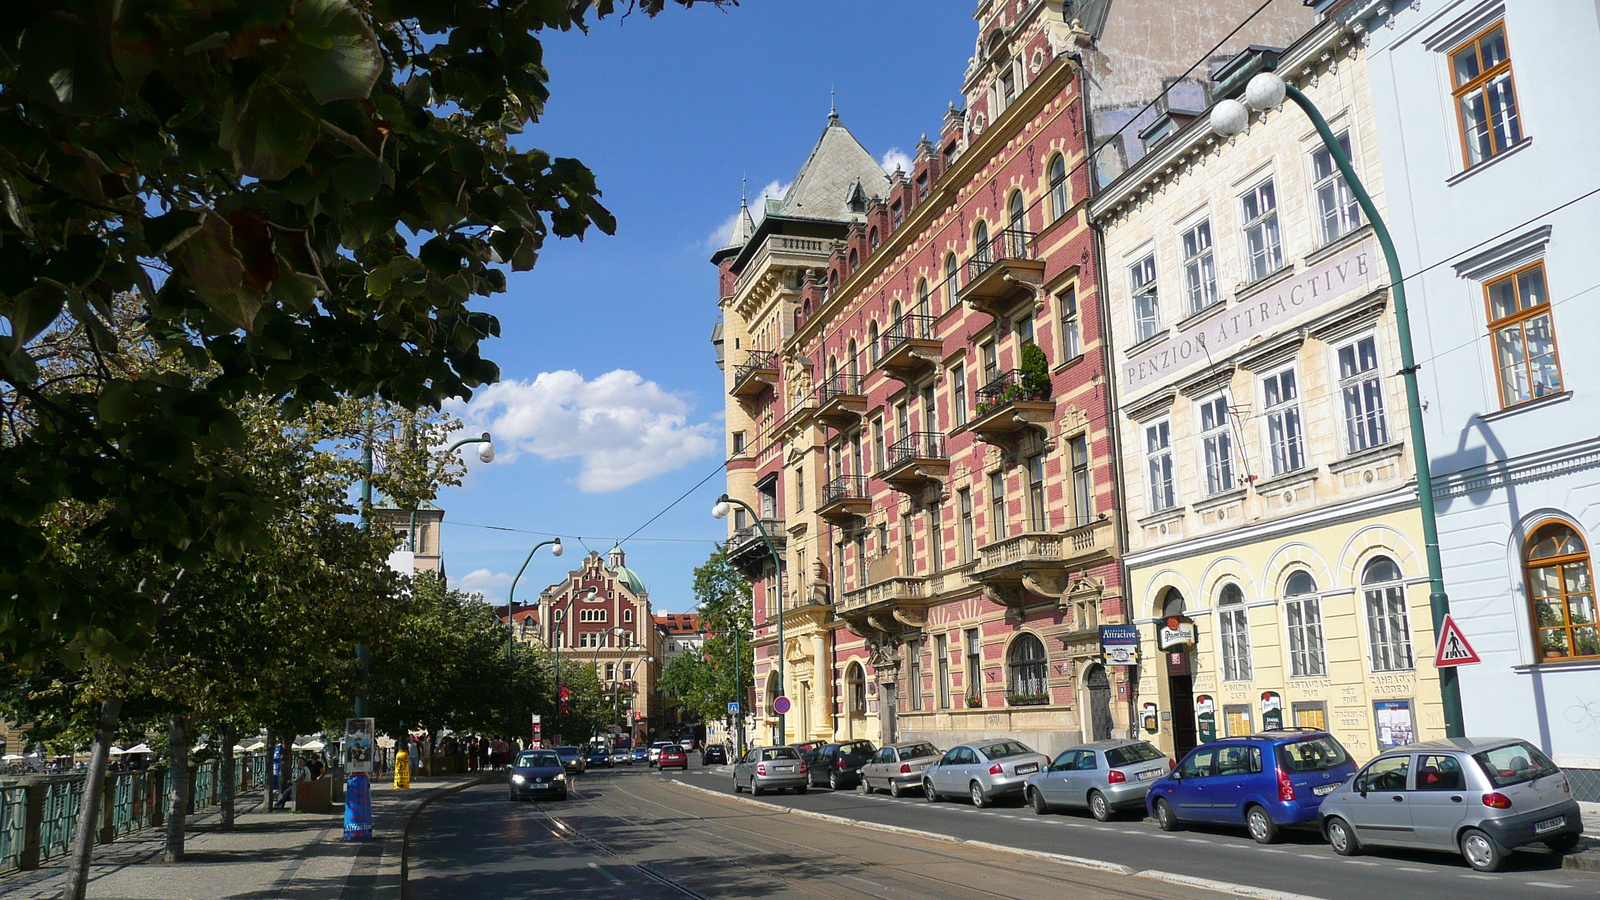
655 750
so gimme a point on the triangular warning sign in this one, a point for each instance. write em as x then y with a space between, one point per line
1453 647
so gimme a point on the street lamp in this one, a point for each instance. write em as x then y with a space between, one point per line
720 510
486 453
1265 91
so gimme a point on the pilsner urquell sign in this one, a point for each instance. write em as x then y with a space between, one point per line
1354 269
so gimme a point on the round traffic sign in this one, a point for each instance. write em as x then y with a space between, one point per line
781 705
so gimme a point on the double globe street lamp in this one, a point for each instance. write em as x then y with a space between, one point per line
1267 91
720 510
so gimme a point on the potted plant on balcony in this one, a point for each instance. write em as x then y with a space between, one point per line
1039 699
1035 373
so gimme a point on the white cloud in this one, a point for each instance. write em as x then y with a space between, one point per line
896 159
758 211
623 429
482 581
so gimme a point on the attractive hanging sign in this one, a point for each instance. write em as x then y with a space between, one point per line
1119 645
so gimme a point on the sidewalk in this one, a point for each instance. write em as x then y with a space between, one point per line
268 856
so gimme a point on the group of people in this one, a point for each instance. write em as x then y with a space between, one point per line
311 767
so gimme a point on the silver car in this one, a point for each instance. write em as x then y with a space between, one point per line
770 769
1104 776
898 767
984 771
1481 798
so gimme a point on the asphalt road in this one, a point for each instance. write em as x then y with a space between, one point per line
1301 863
632 834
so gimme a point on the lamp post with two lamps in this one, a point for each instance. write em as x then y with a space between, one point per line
1266 91
720 510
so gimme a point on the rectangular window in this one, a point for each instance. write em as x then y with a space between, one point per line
611 671
1234 625
958 396
1388 628
1524 336
1071 328
1312 714
1199 267
878 456
1362 390
914 674
1304 614
941 669
1146 306
738 443
1217 444
997 506
1336 203
908 547
974 667
800 488
1485 98
967 549
767 495
1236 719
991 363
1036 513
1261 231
902 420
627 671
935 538
1078 452
1024 330
1158 462
930 411
1285 438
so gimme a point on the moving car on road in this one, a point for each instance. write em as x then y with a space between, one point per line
770 769
984 771
673 757
641 754
538 773
1103 777
838 765
898 768
1480 798
1262 781
656 748
714 755
571 759
599 757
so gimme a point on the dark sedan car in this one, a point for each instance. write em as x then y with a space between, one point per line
714 755
572 759
538 773
599 758
839 765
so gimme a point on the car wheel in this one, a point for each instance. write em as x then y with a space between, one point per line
979 798
1099 806
1262 828
755 789
1481 851
894 789
1565 843
802 789
1341 837
1166 817
833 781
1036 797
865 786
929 793
736 788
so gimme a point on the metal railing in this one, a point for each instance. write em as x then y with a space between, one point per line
13 827
916 445
1011 243
840 385
1004 388
845 487
755 361
62 797
135 799
749 537
909 327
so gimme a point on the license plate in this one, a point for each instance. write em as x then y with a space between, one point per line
783 768
1027 769
1323 790
541 787
1549 824
1148 774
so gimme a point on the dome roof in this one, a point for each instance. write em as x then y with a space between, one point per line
631 578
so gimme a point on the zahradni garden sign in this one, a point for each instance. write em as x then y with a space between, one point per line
1354 269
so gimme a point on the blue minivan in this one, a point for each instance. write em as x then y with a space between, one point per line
1262 781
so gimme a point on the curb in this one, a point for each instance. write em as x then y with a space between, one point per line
1080 862
392 866
1242 890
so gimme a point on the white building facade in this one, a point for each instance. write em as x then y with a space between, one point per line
1489 160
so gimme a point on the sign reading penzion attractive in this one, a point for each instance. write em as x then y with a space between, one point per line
1353 270
1119 645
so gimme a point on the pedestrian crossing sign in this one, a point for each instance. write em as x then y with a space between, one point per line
1453 647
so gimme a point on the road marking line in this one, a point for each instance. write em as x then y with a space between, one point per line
1243 890
1549 884
1309 855
614 879
1360 862
1270 850
1414 869
1196 841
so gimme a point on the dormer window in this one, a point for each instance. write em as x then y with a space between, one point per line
896 213
922 186
872 240
1008 87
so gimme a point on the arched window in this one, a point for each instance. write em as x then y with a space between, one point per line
872 239
856 689
1561 590
1388 627
852 260
980 241
1016 210
952 274
1303 610
773 692
924 302
1027 668
1234 623
799 319
1171 603
872 341
852 364
833 281
895 313
1060 192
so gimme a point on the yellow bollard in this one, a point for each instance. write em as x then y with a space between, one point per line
402 770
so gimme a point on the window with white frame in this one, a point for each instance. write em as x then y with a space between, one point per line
1337 210
591 615
958 395
1261 239
1234 627
1082 505
1199 267
1216 443
1303 611
1071 327
997 506
1146 305
1388 626
1158 463
1361 388
1060 191
1285 438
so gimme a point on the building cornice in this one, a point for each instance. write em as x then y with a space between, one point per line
1548 463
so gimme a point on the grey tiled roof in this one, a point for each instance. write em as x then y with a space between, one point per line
837 161
743 227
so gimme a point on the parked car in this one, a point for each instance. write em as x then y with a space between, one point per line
599 757
1481 798
898 767
714 754
1103 777
686 743
538 773
641 754
673 757
808 750
838 765
1262 781
656 748
770 769
984 771
572 759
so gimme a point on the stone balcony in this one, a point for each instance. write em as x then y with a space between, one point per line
1006 408
910 349
845 499
1001 268
1016 569
889 606
758 372
748 553
840 401
916 460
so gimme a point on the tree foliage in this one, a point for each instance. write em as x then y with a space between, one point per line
707 682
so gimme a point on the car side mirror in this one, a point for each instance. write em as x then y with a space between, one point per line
1177 774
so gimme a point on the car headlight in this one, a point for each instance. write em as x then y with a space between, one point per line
560 777
517 779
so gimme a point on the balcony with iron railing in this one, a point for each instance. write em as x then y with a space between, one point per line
1010 403
910 348
748 553
845 499
1000 268
840 401
1005 565
915 460
758 372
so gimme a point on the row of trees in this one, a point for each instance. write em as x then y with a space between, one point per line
705 684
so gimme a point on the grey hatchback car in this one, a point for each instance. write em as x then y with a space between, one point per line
770 769
984 771
1481 798
1103 776
898 767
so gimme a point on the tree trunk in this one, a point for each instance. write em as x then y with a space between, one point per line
225 772
89 811
177 786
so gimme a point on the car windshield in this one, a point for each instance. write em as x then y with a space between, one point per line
1005 749
539 758
918 750
1118 757
1315 754
779 753
567 751
857 748
1514 764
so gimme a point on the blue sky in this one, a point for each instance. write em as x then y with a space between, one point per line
610 405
